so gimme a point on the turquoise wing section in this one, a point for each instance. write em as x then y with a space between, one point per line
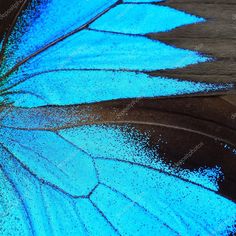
95 52
132 194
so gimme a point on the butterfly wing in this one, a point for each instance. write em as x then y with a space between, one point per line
60 186
81 59
128 194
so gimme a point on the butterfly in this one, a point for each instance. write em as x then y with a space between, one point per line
64 171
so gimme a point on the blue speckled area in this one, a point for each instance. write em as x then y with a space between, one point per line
97 179
1 43
127 187
142 19
77 87
129 145
227 147
83 64
45 20
89 50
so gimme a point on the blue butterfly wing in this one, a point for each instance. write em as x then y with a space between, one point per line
79 87
93 179
128 194
14 218
54 18
82 59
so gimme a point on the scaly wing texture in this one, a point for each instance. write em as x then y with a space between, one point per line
107 183
96 179
94 51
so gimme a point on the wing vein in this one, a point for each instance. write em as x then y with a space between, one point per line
162 171
57 188
103 215
82 27
27 214
137 204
